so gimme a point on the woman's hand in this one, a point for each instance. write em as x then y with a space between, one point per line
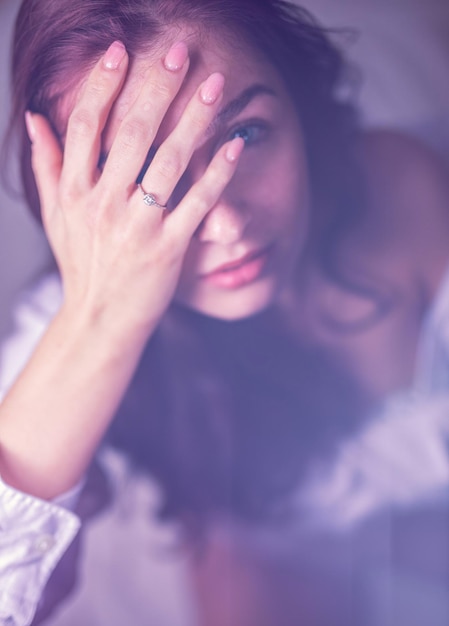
120 259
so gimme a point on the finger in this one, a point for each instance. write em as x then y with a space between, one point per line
173 157
46 161
204 194
138 129
88 118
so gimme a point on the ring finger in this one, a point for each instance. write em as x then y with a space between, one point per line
173 156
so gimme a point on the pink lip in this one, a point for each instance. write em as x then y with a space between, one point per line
240 272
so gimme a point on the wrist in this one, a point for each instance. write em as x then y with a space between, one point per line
117 332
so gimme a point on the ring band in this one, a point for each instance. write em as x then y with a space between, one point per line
149 199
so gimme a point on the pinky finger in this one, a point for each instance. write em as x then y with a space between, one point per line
204 194
46 161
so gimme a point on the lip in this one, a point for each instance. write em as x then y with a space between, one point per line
239 272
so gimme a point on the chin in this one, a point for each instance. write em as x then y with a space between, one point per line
232 305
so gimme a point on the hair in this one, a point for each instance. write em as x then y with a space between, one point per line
233 432
238 415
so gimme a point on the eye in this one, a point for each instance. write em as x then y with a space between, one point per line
252 132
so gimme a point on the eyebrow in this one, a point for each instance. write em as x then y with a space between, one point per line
236 106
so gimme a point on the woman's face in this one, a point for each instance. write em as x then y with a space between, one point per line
244 252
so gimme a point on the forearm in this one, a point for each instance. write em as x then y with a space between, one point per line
55 415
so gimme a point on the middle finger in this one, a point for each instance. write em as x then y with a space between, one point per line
141 123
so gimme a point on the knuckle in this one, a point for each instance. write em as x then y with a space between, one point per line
217 177
201 201
133 131
83 123
161 90
69 195
96 89
198 123
170 165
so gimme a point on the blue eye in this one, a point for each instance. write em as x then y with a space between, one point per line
250 133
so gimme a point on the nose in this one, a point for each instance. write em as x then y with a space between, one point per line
227 220
224 224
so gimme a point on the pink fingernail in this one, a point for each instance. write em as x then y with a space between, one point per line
114 56
212 89
176 56
31 128
234 150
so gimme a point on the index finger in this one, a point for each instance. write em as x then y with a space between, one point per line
89 115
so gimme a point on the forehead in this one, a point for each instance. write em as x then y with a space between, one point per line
241 66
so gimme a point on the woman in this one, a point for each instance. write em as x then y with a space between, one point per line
195 167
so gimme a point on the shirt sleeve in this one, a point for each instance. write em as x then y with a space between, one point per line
399 460
34 534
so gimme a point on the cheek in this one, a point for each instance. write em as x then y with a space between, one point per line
271 187
272 183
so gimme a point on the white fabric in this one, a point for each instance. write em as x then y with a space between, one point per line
399 460
432 366
33 536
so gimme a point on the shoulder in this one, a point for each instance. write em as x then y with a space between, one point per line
396 158
408 198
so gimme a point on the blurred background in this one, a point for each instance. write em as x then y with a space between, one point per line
400 46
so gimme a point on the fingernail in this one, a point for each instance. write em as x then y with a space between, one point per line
31 128
176 56
114 56
234 150
212 89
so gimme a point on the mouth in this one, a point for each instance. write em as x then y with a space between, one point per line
239 272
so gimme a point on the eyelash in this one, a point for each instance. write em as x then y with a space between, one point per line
245 130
